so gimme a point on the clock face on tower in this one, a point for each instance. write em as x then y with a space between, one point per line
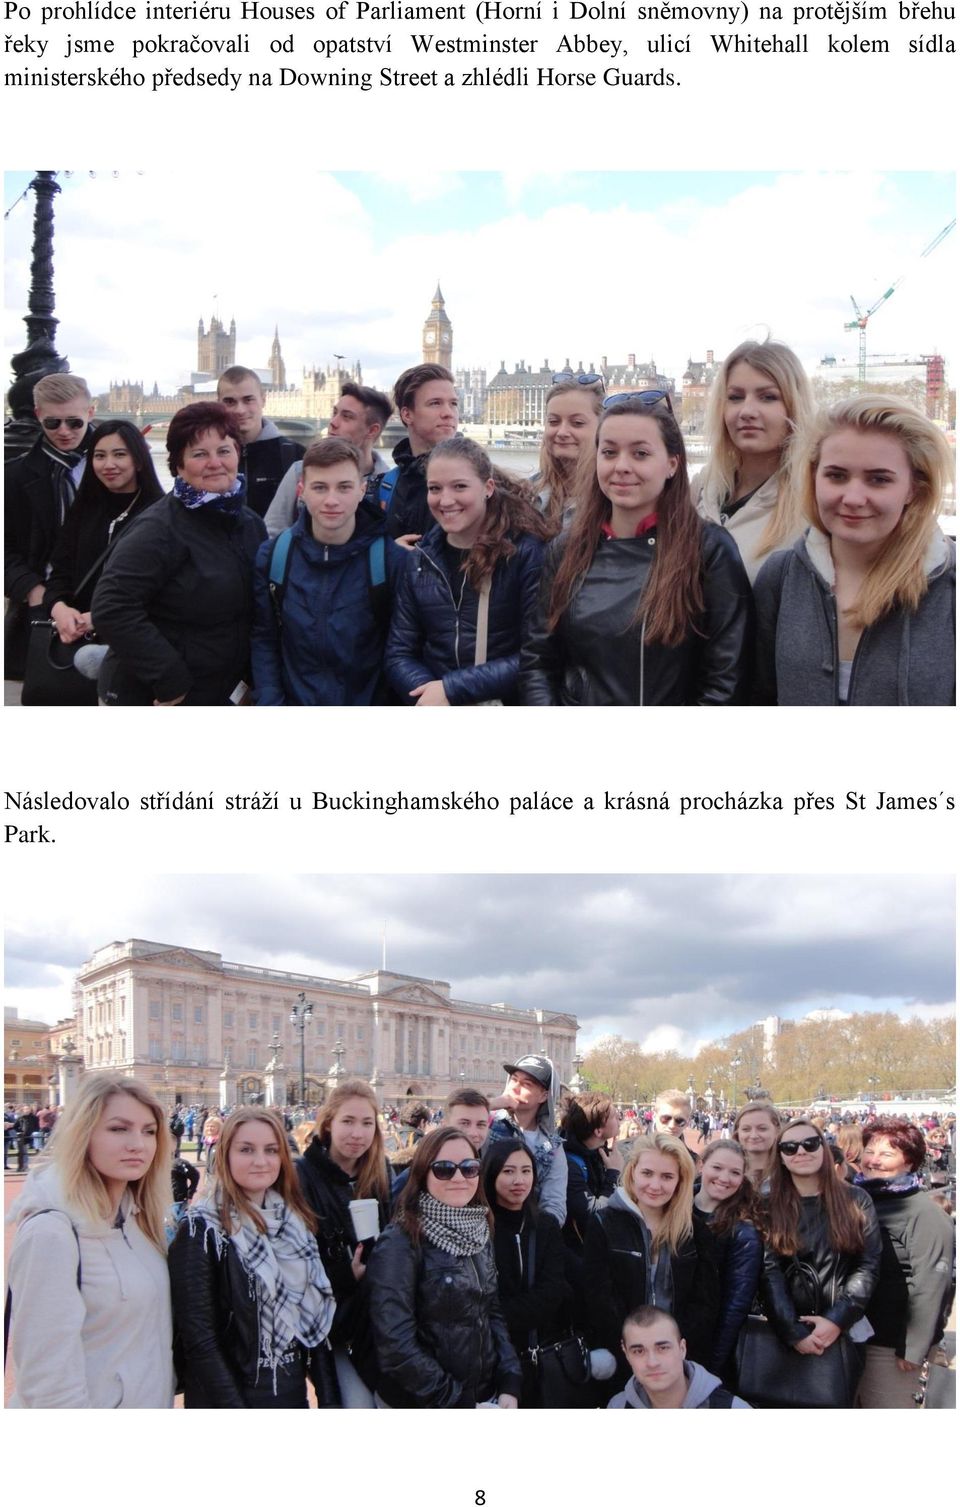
428 337
444 339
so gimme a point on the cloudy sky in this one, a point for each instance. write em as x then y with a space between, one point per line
532 266
668 960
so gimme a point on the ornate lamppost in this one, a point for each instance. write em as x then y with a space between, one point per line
578 1083
300 1013
40 358
736 1064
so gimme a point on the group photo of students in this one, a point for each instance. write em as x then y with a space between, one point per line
539 1249
804 565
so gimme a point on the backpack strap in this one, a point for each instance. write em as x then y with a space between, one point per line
8 1305
278 569
377 584
387 487
720 1398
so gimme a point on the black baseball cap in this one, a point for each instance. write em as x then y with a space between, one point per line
538 1068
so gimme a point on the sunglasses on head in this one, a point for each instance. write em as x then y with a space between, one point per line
650 397
809 1143
673 1120
52 423
583 379
443 1171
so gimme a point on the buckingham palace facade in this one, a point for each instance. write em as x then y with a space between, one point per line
200 1030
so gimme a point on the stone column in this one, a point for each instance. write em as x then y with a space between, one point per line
228 1087
274 1080
69 1071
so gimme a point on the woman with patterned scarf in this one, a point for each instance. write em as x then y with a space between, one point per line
914 1288
440 1335
251 1301
175 600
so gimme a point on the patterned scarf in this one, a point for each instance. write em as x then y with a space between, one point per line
219 502
459 1232
881 1186
62 475
292 1291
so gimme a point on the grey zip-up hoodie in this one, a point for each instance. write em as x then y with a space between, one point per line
701 1386
905 659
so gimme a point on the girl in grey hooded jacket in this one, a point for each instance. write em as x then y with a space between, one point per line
862 609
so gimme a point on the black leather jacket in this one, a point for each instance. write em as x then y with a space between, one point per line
328 1190
216 1326
441 1338
594 657
819 1279
615 1272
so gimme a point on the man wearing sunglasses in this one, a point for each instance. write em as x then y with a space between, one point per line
39 488
672 1115
527 1112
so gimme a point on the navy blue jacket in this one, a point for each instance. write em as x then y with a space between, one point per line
330 651
434 629
739 1257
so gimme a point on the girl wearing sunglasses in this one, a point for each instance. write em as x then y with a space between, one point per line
821 1257
571 415
760 397
725 1205
641 601
440 1335
644 1248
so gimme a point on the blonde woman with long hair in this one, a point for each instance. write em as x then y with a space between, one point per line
644 1248
861 611
759 399
251 1299
89 1292
344 1162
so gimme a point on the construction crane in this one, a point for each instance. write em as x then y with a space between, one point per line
860 323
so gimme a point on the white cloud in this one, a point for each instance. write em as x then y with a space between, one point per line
138 262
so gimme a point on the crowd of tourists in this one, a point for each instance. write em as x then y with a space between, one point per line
517 1260
805 565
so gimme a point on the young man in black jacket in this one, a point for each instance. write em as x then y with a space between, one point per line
267 455
39 488
426 400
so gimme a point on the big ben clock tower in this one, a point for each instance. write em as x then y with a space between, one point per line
438 333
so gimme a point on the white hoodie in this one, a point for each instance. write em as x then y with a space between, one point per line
105 1344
